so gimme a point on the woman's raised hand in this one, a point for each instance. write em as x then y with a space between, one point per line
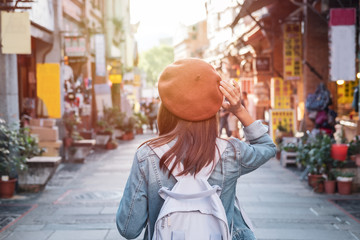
232 101
232 93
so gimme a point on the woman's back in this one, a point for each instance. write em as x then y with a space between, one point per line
189 128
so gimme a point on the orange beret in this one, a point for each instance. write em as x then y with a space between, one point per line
189 89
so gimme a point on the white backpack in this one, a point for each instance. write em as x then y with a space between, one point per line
192 209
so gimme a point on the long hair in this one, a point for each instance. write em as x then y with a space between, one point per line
195 143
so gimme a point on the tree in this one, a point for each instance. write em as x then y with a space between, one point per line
154 60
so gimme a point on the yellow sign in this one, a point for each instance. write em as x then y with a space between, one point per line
345 92
292 51
282 118
115 78
48 87
137 79
280 93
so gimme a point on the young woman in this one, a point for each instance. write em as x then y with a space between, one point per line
191 94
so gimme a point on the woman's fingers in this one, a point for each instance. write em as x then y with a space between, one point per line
227 95
230 91
225 104
228 86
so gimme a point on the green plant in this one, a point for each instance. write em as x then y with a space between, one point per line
303 149
28 145
119 120
345 174
103 127
71 120
289 147
354 146
314 152
141 118
111 115
339 135
11 159
332 174
129 124
281 128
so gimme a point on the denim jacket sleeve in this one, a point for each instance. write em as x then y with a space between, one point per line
130 221
260 150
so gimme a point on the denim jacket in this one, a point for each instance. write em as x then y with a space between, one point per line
141 200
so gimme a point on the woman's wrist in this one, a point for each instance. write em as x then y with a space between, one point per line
243 115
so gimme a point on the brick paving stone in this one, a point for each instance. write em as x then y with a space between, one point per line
29 235
78 235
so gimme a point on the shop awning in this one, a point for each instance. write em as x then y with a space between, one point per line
250 6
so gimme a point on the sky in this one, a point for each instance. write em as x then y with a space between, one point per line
160 18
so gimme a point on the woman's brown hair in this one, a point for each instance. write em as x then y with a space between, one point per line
195 143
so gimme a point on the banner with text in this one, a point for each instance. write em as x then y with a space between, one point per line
292 51
280 93
283 119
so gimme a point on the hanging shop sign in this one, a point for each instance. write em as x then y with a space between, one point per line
75 46
115 78
262 64
100 61
137 80
48 88
292 51
342 43
345 92
283 119
15 33
280 93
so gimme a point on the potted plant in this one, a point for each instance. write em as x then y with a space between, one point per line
330 181
339 148
104 132
112 144
303 149
128 128
344 182
354 150
141 119
281 132
11 160
71 120
119 122
290 147
318 158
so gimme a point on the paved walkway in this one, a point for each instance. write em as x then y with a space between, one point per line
81 200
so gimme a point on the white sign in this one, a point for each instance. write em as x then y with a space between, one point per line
100 62
342 52
15 33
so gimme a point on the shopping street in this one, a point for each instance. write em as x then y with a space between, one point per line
81 200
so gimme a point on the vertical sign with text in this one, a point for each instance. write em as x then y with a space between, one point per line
292 51
100 61
280 93
284 118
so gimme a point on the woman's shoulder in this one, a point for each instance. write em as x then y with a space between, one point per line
231 144
143 152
